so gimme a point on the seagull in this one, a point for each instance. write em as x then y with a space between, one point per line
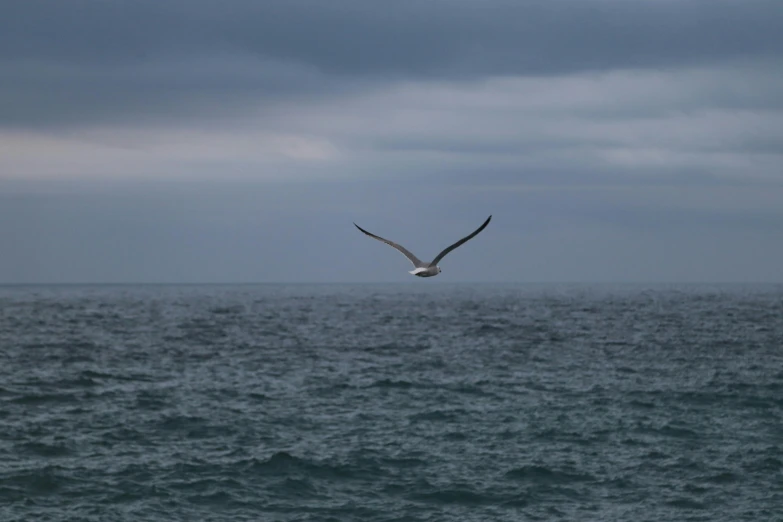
422 269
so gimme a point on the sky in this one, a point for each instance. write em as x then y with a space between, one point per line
171 141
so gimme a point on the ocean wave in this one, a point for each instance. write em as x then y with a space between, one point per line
542 474
179 404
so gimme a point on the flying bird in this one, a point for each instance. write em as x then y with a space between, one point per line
422 269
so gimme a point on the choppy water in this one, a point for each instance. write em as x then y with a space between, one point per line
391 403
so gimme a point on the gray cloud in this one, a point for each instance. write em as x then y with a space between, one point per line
409 36
94 61
186 140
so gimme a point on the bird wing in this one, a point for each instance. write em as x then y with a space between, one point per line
458 243
413 259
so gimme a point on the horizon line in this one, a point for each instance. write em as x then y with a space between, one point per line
251 283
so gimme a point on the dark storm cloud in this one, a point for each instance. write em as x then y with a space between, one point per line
413 36
98 60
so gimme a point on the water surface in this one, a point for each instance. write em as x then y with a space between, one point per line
391 402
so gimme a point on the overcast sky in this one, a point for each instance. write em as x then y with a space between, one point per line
237 141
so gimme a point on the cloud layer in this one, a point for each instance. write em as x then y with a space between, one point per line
88 60
614 139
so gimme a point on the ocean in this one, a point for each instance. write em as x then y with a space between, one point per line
426 401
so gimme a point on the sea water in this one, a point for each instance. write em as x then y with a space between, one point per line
407 402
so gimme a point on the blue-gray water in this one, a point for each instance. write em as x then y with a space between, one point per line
391 403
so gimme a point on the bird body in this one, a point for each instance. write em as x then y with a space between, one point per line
429 271
422 269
